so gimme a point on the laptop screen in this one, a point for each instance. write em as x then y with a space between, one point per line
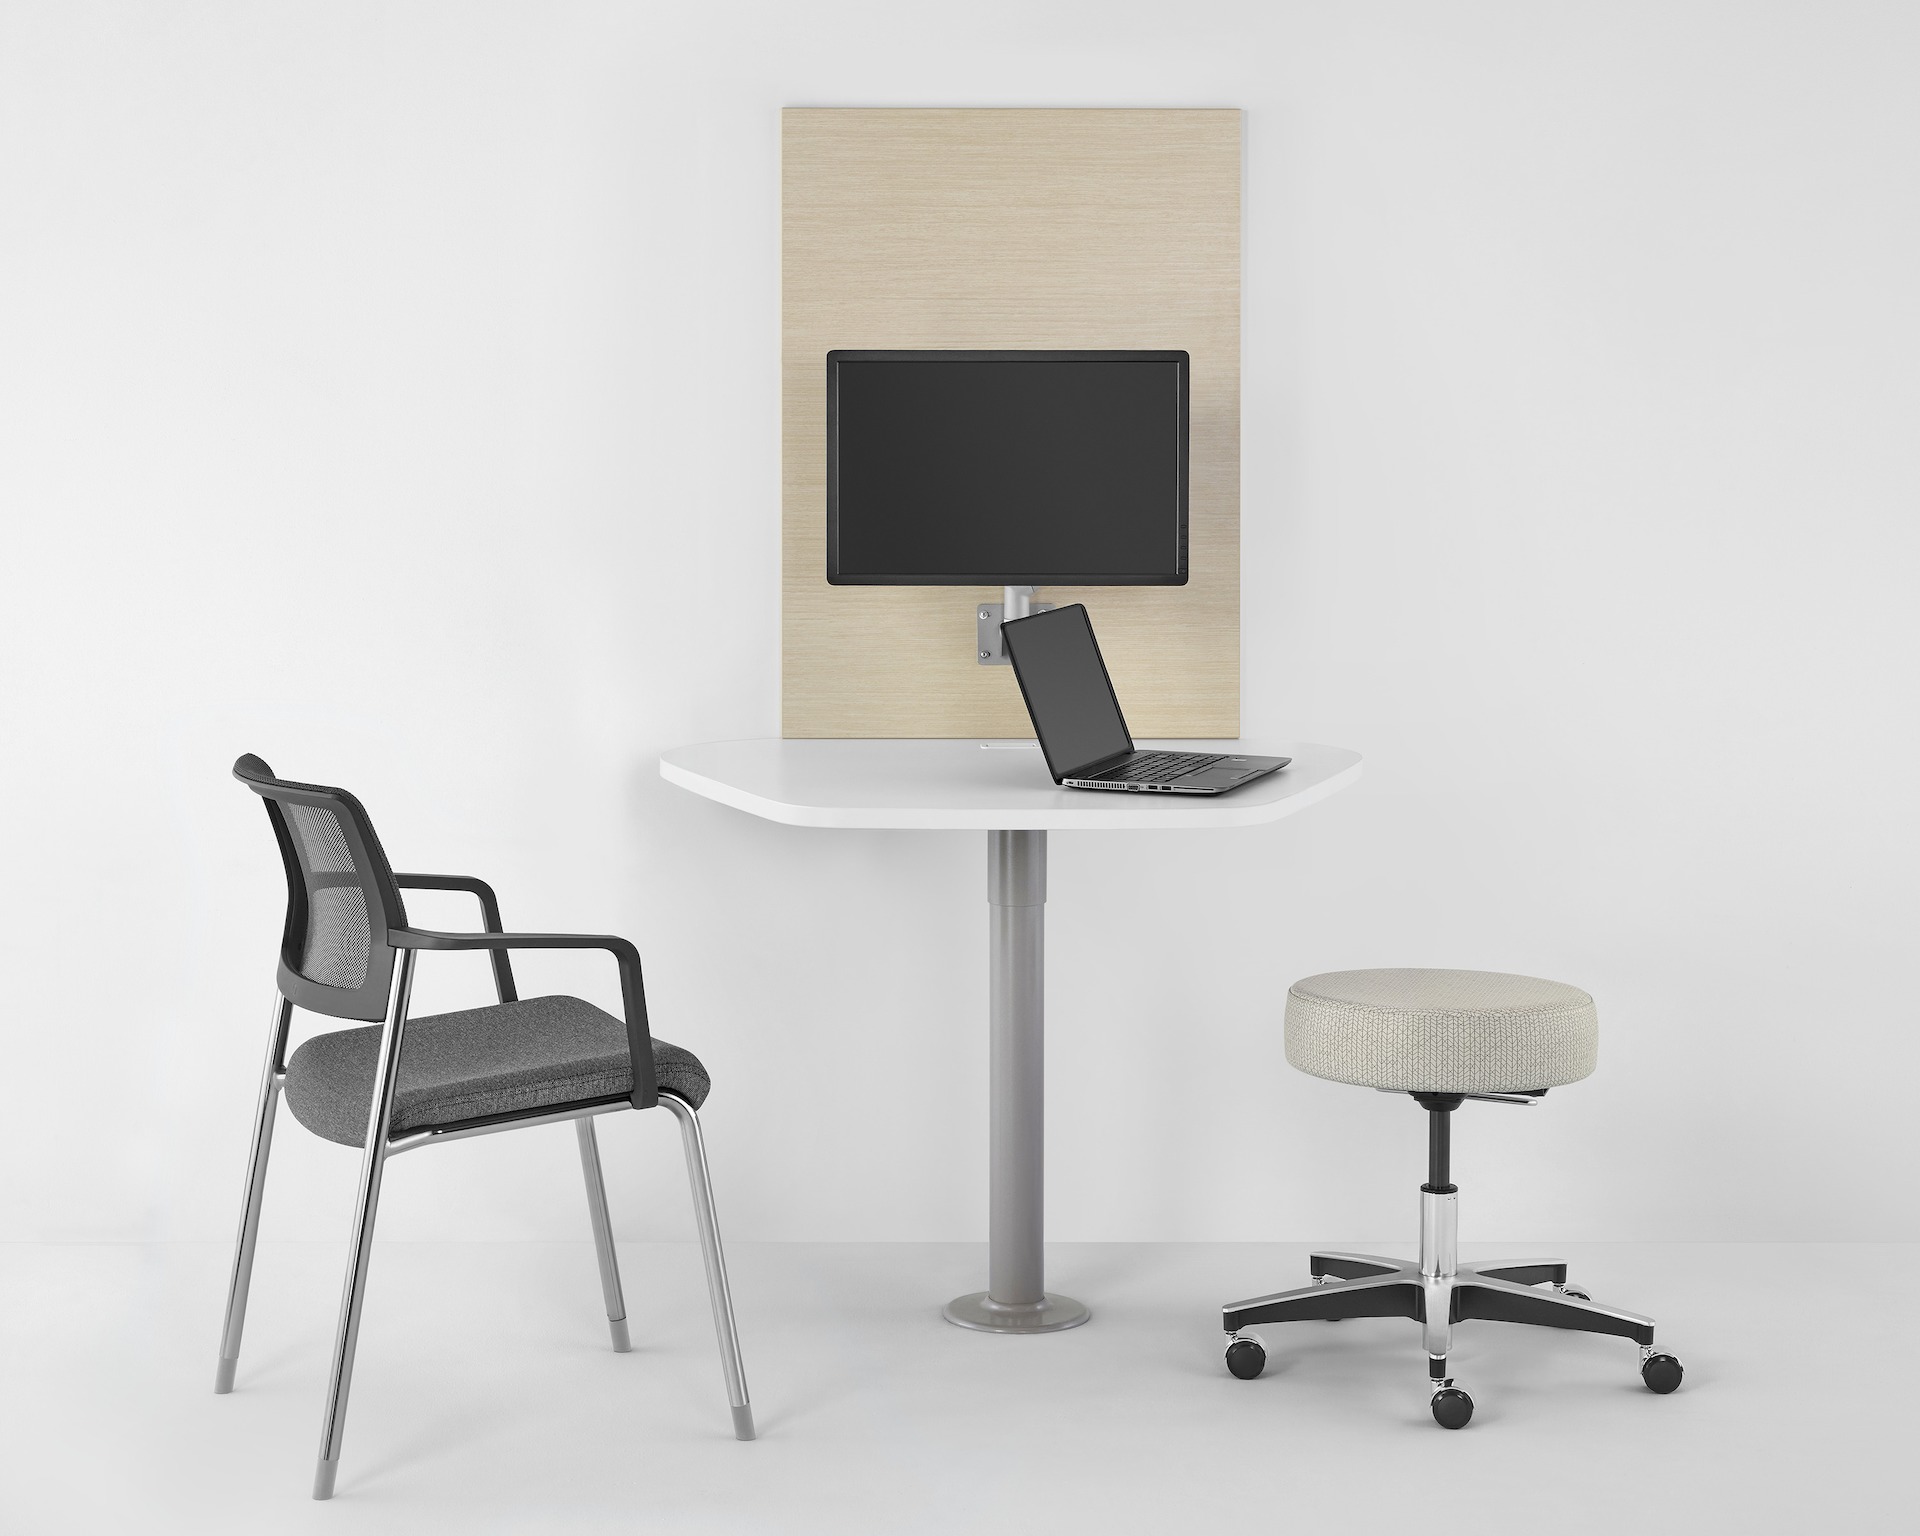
1069 696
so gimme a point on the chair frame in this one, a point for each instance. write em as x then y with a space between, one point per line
381 1145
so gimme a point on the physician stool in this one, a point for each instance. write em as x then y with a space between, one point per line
1442 1038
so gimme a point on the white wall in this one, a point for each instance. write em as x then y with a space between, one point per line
391 390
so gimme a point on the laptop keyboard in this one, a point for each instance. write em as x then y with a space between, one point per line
1158 767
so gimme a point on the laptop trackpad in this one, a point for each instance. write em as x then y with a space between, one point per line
1235 770
1220 778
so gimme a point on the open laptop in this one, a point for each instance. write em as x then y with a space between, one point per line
1075 714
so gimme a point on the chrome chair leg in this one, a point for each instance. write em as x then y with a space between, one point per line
717 1289
256 1189
603 1234
380 1117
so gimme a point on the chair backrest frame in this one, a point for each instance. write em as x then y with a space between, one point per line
342 899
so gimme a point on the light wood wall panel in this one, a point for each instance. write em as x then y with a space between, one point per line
1009 228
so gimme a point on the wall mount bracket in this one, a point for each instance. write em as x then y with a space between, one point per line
1016 603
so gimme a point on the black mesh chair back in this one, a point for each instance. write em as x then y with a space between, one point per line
341 896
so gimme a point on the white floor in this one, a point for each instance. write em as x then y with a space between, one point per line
487 1400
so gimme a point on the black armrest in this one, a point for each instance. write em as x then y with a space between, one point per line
633 992
489 915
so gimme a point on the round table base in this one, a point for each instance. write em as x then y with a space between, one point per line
1049 1315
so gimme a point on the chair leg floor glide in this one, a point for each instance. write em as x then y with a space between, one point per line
1438 1291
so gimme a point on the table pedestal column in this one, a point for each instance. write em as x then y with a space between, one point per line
1016 1300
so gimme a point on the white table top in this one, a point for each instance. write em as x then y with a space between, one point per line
969 784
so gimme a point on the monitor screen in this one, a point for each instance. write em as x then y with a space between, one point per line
1007 468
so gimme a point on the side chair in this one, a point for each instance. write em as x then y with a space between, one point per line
396 1083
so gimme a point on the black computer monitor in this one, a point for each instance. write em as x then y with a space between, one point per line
1007 468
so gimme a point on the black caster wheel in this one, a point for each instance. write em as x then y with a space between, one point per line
1246 1359
1662 1373
1452 1408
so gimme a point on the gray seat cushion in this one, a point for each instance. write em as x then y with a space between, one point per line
1441 1031
503 1059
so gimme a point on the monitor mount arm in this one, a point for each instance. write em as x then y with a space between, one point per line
1015 603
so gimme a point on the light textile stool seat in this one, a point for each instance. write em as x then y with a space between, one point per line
1443 1038
1441 1031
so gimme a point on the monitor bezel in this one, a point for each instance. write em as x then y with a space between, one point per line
1183 371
